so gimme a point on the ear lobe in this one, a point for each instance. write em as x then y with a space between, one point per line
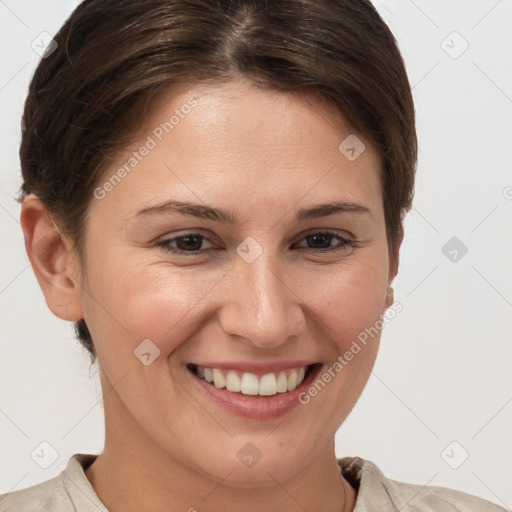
390 297
52 260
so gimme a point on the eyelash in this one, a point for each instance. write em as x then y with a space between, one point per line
165 244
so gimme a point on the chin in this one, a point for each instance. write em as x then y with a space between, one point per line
255 467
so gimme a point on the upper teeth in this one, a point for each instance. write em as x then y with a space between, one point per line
250 384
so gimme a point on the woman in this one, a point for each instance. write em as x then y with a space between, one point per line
214 192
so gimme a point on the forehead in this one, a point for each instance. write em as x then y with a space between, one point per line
246 114
234 142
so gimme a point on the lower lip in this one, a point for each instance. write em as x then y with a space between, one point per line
255 406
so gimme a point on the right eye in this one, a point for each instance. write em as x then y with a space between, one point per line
188 244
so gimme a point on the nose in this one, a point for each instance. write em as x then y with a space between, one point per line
260 307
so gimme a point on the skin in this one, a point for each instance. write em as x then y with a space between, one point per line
261 154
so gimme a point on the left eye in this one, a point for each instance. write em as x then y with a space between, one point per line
325 238
190 244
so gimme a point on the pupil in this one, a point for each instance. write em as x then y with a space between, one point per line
186 245
322 236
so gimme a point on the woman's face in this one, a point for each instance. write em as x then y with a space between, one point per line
259 294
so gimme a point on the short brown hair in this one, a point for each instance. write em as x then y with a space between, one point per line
114 56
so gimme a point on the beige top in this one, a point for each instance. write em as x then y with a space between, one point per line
70 491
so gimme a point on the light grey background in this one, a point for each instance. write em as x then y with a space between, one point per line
444 367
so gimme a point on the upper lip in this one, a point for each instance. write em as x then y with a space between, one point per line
256 368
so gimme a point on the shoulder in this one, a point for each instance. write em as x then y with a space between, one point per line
376 491
70 491
49 495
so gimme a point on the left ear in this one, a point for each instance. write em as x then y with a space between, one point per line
393 267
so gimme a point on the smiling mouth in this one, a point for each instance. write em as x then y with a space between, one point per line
247 383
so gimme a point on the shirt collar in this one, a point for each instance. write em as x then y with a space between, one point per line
77 485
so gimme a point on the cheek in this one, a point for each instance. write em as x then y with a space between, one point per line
138 301
347 300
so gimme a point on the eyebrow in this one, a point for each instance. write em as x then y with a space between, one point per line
227 217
